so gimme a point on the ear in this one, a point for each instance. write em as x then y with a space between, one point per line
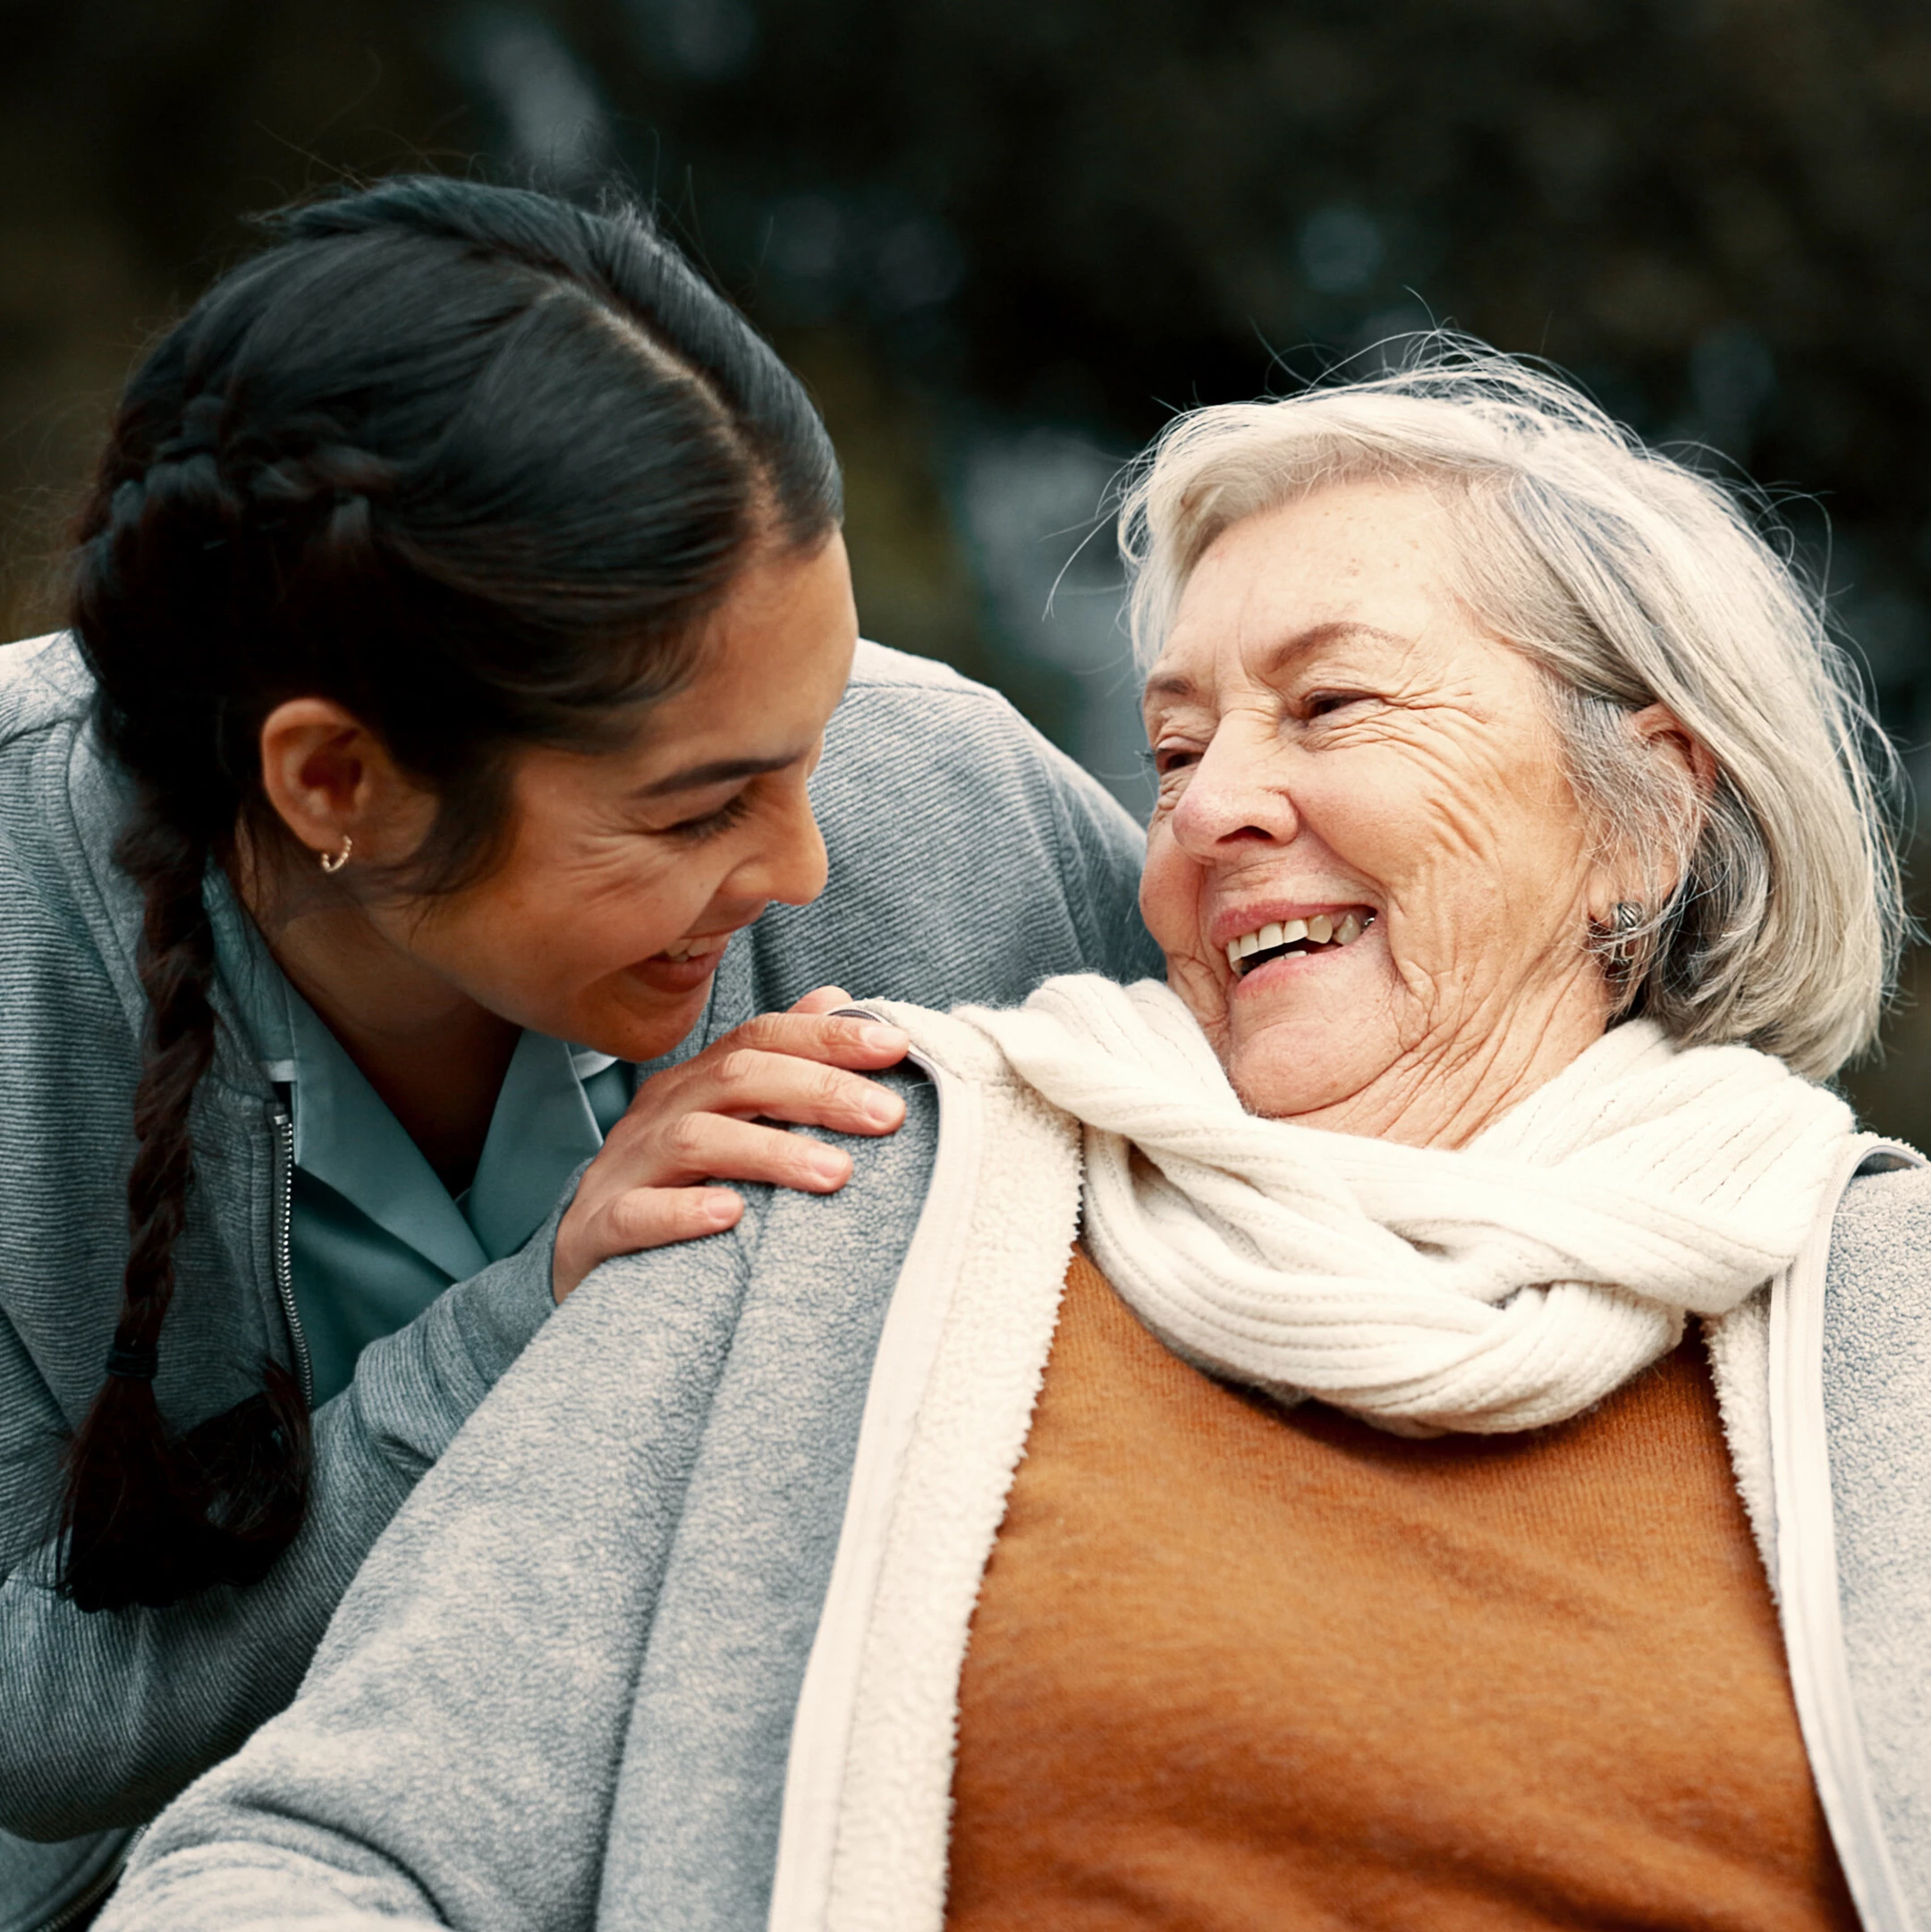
329 778
1665 738
1662 732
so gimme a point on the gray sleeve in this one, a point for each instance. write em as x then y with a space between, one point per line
970 860
105 1716
1102 852
451 1757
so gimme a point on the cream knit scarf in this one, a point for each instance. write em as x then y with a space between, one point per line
1502 1285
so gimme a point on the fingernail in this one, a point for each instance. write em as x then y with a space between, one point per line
720 1209
828 1167
884 1038
882 1109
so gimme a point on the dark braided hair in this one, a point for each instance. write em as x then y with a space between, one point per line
473 464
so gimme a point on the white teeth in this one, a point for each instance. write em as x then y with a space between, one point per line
1320 931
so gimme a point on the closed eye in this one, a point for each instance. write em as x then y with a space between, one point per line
694 831
1166 759
1325 703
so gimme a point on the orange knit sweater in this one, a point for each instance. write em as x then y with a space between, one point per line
1237 1667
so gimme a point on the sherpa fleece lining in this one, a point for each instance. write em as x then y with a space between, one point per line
960 1365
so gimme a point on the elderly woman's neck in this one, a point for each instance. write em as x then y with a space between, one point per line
1444 1092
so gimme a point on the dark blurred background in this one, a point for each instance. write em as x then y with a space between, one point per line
1003 239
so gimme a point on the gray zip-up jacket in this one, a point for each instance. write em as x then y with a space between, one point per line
670 1640
969 859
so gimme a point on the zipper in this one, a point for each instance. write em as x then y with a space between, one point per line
78 1910
285 1269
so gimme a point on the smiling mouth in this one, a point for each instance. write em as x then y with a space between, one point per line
1280 939
690 949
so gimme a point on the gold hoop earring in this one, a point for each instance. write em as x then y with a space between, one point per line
334 861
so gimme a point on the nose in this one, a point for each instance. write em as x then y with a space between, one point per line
1236 796
793 865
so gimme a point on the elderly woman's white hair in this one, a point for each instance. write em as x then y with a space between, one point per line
1631 579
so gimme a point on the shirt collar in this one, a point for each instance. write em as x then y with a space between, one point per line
541 1132
345 1136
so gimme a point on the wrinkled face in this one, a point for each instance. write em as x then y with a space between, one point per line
629 869
1368 873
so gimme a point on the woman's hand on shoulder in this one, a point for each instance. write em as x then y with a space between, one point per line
704 1120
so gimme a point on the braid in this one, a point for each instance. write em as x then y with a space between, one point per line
146 1517
177 967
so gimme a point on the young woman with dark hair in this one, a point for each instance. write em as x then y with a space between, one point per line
457 618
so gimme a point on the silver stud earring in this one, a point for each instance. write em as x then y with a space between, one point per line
334 861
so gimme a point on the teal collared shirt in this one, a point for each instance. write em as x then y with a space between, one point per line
375 1236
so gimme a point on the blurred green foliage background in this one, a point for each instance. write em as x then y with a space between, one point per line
1003 239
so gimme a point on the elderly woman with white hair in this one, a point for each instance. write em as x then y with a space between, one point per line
1420 1420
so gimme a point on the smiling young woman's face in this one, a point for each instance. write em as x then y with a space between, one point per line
628 870
1370 877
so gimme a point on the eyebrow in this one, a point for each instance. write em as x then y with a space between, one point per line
719 771
1173 685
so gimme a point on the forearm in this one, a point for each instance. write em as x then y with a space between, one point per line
257 1886
453 1754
